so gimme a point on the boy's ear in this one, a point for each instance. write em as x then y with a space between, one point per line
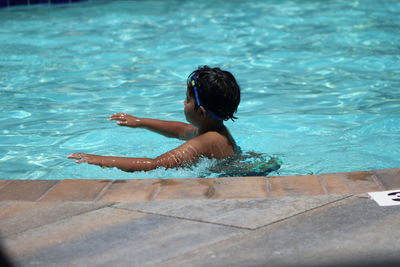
203 112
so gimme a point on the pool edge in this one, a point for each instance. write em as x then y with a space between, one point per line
198 188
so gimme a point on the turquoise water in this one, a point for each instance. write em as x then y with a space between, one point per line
320 82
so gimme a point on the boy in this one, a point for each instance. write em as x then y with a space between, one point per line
212 96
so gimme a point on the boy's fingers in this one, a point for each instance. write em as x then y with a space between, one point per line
76 156
117 119
118 116
114 118
115 115
73 156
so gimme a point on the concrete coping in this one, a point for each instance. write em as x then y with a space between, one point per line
198 188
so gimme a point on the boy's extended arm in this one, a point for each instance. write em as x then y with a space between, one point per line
172 129
180 156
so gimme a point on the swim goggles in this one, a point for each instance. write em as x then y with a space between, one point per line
196 94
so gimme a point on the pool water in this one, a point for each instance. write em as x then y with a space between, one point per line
320 82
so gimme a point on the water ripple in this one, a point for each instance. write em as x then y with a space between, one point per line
320 81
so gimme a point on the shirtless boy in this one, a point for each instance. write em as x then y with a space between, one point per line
212 97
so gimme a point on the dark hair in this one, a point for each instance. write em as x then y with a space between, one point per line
218 91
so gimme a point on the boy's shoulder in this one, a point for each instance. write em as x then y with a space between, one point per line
211 135
213 138
208 139
212 144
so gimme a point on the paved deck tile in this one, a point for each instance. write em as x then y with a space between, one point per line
250 187
335 184
296 185
246 213
355 182
26 190
353 232
19 216
4 182
132 190
389 178
113 237
61 232
76 190
199 188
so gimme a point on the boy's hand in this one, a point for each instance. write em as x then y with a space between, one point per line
88 158
126 120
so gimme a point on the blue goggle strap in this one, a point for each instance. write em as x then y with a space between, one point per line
196 94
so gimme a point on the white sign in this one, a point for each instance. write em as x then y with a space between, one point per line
386 198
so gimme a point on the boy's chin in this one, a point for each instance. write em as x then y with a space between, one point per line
190 121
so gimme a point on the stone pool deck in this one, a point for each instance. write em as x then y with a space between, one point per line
311 220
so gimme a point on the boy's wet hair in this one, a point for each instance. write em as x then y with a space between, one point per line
217 90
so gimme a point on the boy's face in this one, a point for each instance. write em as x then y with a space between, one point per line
191 115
